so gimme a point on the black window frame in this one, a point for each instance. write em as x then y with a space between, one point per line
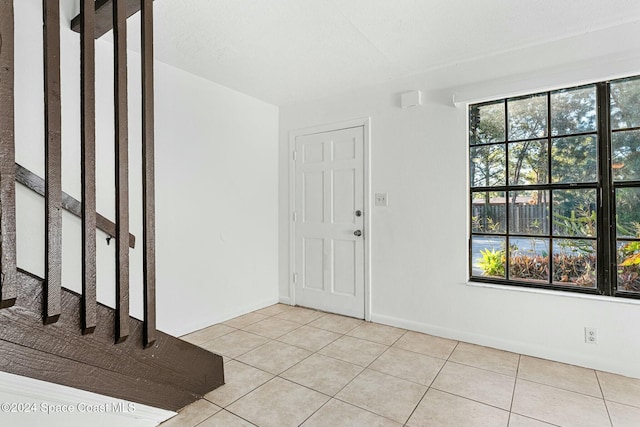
605 188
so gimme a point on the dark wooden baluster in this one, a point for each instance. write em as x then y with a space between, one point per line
8 290
104 18
53 162
121 169
88 159
148 183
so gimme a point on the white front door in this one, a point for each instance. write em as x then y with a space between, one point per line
329 221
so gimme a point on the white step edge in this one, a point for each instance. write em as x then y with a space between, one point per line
22 390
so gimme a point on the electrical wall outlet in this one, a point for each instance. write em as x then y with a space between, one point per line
590 335
381 199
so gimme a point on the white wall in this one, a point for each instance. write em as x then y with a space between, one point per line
419 242
217 202
216 181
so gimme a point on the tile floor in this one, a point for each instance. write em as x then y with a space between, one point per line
290 366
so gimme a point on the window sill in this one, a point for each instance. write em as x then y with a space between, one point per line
556 293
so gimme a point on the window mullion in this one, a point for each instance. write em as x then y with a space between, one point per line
550 212
606 197
507 137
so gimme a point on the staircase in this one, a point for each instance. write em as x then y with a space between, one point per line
48 332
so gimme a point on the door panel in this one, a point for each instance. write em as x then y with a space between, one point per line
329 189
344 261
344 196
313 208
313 266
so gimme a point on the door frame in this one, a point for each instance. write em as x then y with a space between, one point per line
365 123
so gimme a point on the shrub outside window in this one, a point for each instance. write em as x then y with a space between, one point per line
555 189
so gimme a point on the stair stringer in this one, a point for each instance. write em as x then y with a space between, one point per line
169 375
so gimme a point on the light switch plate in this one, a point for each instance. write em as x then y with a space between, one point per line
381 199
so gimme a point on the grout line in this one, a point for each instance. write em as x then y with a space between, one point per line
210 339
513 394
334 397
561 388
360 323
606 407
603 399
599 383
238 416
365 409
314 412
478 368
515 383
279 336
376 342
304 348
352 379
401 378
468 398
418 404
430 385
535 419
249 391
368 366
301 385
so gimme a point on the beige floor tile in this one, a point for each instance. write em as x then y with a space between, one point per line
309 338
272 310
561 375
225 419
245 320
426 344
300 315
193 414
375 332
235 343
278 403
274 357
475 387
321 373
620 389
383 394
408 365
240 379
271 327
519 421
476 384
354 350
337 414
623 415
335 323
439 409
491 359
557 406
207 334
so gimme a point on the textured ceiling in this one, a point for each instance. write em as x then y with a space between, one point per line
288 51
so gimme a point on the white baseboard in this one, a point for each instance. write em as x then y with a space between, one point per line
528 349
285 300
235 312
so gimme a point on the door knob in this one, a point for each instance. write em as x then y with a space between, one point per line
358 213
357 233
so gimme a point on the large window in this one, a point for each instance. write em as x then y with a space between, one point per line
555 189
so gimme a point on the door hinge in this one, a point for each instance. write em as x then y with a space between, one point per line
294 217
295 155
295 278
